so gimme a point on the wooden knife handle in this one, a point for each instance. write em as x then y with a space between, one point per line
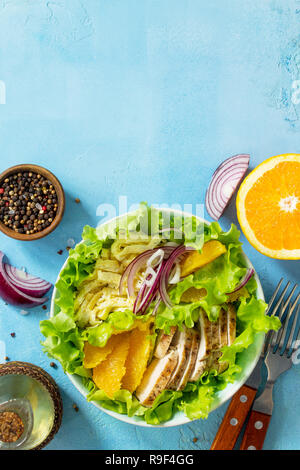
234 419
255 431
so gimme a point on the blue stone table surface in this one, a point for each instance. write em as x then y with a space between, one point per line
143 99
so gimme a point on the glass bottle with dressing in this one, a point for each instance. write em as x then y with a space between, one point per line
30 407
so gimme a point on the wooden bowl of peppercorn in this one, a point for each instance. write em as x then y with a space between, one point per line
32 202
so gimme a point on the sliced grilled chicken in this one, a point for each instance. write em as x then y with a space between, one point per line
215 364
223 338
215 335
156 378
201 367
163 342
205 346
219 331
183 356
227 332
231 324
191 360
183 344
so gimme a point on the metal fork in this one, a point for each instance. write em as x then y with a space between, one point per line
281 346
241 402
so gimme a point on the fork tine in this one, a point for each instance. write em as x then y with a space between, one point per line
269 335
280 299
290 296
272 336
284 333
275 334
292 332
274 295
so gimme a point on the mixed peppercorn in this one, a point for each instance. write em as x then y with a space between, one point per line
11 426
28 202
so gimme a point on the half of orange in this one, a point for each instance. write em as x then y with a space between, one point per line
268 207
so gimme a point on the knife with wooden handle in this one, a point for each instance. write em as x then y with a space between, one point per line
237 411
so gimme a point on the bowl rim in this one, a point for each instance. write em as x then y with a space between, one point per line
178 418
60 201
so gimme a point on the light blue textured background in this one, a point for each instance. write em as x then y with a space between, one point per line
143 99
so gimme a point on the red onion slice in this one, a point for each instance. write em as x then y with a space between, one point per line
131 271
150 275
156 258
224 182
136 265
12 294
146 295
175 274
157 277
244 280
139 297
164 278
157 304
30 285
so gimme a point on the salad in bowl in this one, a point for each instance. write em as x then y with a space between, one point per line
157 316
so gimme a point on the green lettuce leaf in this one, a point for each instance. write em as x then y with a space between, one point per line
198 404
123 402
123 321
64 340
251 319
163 407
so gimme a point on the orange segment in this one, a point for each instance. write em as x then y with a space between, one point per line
195 260
109 373
137 359
268 207
94 355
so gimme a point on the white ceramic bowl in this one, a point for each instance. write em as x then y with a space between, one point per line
247 359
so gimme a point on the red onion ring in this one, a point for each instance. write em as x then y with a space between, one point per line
157 304
147 294
156 282
231 171
30 285
174 277
140 296
164 278
135 265
157 256
244 280
12 294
